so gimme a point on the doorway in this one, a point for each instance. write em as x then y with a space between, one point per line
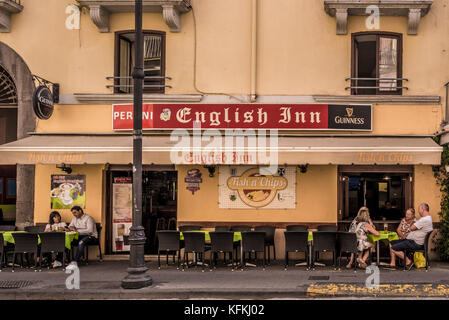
159 207
386 191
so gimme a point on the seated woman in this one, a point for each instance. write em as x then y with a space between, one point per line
361 226
55 222
403 230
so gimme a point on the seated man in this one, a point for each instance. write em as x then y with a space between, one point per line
415 239
85 226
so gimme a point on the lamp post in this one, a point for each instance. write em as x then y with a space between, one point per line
137 277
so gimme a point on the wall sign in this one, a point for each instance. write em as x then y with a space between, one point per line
68 191
122 213
244 187
247 116
43 104
193 180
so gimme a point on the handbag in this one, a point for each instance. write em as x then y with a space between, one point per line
419 260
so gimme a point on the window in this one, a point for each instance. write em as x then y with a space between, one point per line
11 188
1 187
376 63
154 61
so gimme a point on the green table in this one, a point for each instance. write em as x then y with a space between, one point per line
384 236
237 235
69 237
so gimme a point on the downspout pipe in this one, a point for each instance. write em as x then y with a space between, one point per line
253 96
446 116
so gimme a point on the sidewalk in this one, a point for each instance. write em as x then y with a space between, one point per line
101 280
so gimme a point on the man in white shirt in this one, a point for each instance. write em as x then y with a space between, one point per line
415 239
87 229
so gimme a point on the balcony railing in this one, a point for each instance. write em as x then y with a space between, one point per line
7 8
374 86
127 86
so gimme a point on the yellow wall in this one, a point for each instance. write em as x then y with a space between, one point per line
95 203
426 190
316 194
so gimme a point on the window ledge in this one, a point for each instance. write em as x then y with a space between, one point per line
128 98
380 99
100 10
413 9
7 8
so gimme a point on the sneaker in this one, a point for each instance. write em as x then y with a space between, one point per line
72 265
56 264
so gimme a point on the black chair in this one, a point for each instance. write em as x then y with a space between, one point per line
269 239
330 228
253 242
299 228
194 243
221 241
2 251
222 228
96 242
168 242
8 228
424 250
52 242
296 241
241 228
347 243
324 241
189 228
24 243
35 229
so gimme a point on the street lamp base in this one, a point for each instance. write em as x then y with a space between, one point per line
137 281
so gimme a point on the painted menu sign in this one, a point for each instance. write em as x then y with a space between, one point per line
121 213
243 187
246 116
68 191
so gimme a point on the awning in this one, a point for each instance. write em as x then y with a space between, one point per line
320 150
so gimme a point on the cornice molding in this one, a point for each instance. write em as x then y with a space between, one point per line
7 8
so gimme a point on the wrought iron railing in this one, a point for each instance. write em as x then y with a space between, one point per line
381 85
128 85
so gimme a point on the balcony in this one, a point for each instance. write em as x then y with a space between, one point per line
7 8
413 9
100 10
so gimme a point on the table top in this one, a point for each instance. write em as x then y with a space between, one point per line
384 235
69 237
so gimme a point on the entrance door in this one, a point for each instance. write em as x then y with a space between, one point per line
386 191
159 207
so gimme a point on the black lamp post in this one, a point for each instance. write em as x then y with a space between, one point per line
137 277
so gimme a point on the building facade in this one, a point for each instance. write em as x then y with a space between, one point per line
356 98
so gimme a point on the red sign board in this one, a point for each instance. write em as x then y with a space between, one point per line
242 116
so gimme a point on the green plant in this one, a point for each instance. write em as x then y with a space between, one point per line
442 177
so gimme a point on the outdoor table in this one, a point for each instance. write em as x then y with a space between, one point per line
69 237
385 236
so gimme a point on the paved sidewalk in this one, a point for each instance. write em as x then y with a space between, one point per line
101 280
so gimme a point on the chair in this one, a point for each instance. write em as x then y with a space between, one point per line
2 251
52 242
241 228
194 243
8 228
269 239
221 241
96 242
24 243
168 242
299 228
324 241
222 228
425 251
296 241
330 228
253 242
189 228
347 243
35 229
172 223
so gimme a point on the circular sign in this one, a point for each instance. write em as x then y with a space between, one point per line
43 103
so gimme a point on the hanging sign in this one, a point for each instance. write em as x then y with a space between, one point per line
43 104
193 180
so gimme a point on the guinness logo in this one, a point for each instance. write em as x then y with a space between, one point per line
349 111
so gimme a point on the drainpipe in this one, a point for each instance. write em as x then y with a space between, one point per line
446 116
253 95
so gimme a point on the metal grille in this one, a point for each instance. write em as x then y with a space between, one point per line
319 278
8 91
14 284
